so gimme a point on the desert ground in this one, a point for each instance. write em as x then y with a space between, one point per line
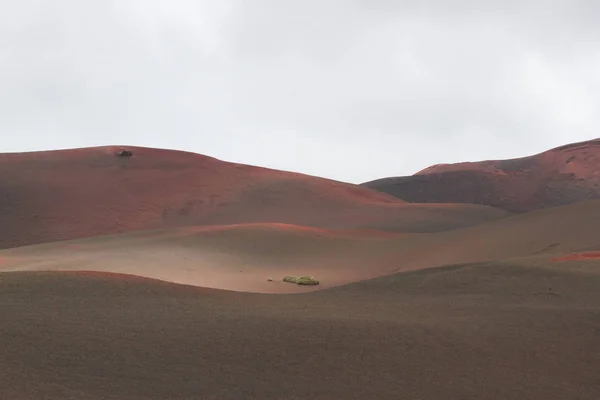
160 276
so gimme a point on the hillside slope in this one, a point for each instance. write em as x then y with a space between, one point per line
243 257
560 176
59 195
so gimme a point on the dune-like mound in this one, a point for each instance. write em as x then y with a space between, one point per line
256 257
488 332
236 257
59 195
560 176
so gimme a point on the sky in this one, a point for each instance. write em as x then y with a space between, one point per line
352 90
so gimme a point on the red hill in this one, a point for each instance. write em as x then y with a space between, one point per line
560 176
67 194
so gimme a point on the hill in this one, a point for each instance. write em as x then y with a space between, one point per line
59 195
560 176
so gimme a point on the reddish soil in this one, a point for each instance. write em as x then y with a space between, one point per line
579 256
60 195
561 176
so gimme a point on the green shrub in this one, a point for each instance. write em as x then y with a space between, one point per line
301 280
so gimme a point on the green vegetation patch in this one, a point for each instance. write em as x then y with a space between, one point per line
301 280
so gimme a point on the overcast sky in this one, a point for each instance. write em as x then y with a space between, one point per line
352 90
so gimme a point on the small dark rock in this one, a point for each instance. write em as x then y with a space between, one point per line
125 153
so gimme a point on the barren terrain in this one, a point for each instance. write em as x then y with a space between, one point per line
560 176
159 276
59 195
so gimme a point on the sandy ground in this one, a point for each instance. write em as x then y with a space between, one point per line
243 257
486 331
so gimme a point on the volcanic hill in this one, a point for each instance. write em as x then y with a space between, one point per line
59 195
560 176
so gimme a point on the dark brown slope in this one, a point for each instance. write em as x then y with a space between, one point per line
58 195
556 177
497 332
